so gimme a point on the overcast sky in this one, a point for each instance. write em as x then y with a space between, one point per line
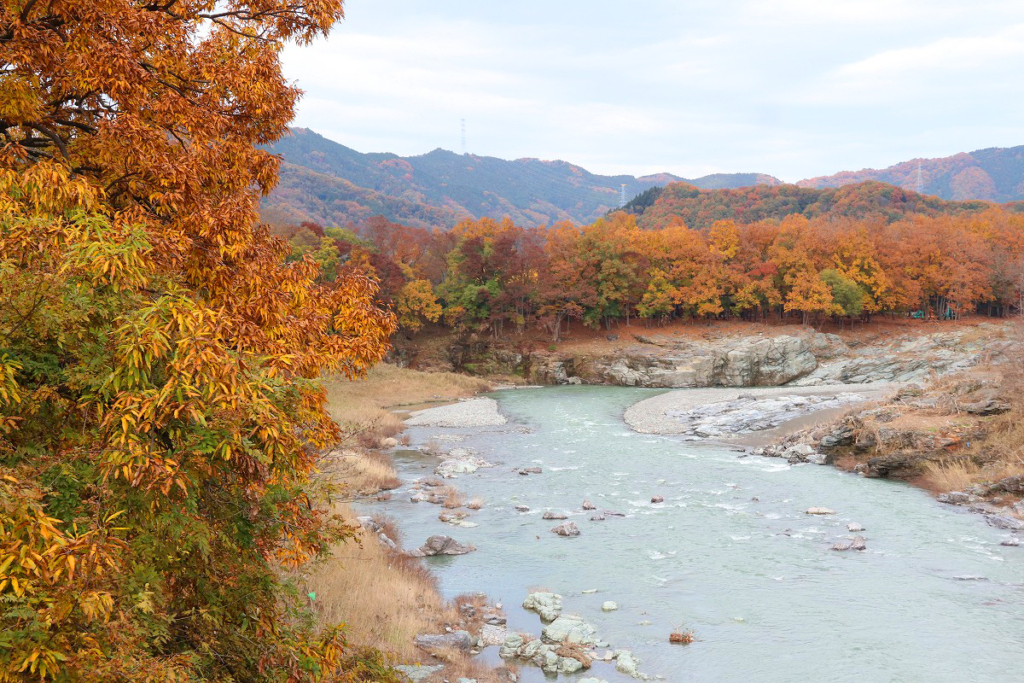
793 88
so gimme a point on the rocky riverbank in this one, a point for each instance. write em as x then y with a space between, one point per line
960 436
733 357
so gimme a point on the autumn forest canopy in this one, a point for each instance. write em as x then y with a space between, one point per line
494 276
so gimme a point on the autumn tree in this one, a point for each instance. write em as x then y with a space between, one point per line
160 404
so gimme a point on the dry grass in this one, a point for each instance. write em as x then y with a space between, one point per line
950 475
361 406
385 598
999 452
366 473
452 498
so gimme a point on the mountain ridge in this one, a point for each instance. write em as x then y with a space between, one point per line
325 182
449 187
991 174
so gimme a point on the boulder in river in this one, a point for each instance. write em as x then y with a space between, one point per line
820 511
441 545
626 663
570 630
854 527
566 529
609 606
657 499
857 543
550 514
587 505
522 508
598 517
547 605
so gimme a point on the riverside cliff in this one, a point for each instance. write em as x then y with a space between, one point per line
723 357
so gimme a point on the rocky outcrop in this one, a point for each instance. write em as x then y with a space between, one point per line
911 358
459 640
746 361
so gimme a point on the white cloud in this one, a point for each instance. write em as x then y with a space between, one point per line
794 88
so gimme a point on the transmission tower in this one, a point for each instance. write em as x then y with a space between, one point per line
622 195
463 136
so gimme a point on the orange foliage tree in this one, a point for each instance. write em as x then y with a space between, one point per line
160 403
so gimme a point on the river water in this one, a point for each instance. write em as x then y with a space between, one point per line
730 554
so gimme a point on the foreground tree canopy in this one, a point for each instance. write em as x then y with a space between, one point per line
160 407
486 274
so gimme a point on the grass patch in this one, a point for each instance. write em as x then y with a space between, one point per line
365 472
384 597
955 475
452 498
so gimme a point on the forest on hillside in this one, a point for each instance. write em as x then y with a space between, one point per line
489 276
660 207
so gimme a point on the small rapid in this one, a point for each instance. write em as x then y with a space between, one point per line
730 553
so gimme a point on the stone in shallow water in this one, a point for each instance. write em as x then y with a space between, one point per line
547 605
820 511
566 529
459 640
609 606
550 514
626 663
441 545
571 630
854 527
417 672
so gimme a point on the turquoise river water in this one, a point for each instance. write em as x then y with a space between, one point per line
730 554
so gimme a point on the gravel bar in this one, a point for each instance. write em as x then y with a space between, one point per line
473 412
650 416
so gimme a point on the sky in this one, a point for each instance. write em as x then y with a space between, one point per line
791 88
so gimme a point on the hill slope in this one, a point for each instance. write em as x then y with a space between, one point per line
331 184
993 174
699 209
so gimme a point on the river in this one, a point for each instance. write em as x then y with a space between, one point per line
730 553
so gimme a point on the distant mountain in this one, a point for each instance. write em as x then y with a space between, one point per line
994 174
331 184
